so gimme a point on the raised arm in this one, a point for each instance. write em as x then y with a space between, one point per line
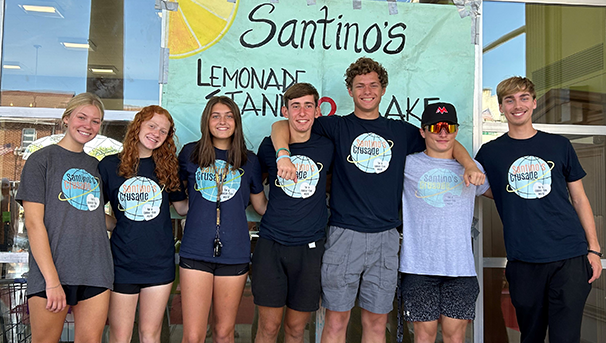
583 208
280 137
472 172
40 248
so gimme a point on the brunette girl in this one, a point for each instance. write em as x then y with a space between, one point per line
221 175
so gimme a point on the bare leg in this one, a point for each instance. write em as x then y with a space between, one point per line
90 316
46 325
226 300
196 297
122 309
152 306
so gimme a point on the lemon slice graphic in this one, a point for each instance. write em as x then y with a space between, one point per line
198 25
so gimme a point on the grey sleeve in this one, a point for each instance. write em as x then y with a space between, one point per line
33 180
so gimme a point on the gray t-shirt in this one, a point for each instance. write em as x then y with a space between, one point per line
69 186
437 211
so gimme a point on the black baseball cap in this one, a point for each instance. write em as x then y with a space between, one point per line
438 112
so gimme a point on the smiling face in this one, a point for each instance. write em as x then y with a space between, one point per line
518 108
301 113
83 124
152 134
221 125
366 91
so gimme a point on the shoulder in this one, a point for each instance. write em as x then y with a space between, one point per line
109 160
552 137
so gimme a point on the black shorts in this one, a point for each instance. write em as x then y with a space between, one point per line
426 297
287 275
132 288
217 269
74 294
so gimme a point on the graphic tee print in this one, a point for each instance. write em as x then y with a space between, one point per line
438 187
530 177
80 189
140 198
206 181
371 153
308 175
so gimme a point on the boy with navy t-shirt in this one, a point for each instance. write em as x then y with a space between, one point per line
552 248
362 242
288 255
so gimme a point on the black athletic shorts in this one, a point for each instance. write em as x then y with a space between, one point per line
134 288
74 294
217 269
287 275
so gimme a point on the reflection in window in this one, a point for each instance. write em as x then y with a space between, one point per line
108 47
560 48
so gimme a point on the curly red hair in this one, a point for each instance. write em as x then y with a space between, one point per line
165 156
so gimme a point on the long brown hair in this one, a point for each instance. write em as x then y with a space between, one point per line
204 151
165 156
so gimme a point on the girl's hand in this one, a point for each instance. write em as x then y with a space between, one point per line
55 299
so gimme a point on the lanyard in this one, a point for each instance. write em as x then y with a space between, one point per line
219 180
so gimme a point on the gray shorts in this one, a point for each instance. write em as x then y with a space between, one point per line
365 262
426 297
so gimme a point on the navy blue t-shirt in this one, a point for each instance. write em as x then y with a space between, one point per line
142 243
297 212
200 225
528 178
368 171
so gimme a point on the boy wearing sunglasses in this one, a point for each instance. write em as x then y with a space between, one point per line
439 278
553 254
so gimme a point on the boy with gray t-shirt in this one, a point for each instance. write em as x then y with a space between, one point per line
439 279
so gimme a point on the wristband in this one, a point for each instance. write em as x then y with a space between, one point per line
288 151
48 288
589 251
283 156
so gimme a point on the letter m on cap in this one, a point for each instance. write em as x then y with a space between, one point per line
441 110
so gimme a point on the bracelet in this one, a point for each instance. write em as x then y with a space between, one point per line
288 151
281 157
589 251
48 288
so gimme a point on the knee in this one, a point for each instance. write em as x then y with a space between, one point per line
295 331
422 336
269 329
193 337
336 324
375 324
149 335
223 334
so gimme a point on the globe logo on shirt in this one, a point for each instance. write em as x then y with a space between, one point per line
80 189
371 153
140 198
206 182
308 175
438 187
530 177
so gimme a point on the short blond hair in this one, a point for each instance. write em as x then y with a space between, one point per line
513 85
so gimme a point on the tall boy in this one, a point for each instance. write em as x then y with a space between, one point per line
362 243
552 248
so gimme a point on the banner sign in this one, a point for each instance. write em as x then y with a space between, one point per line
252 51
